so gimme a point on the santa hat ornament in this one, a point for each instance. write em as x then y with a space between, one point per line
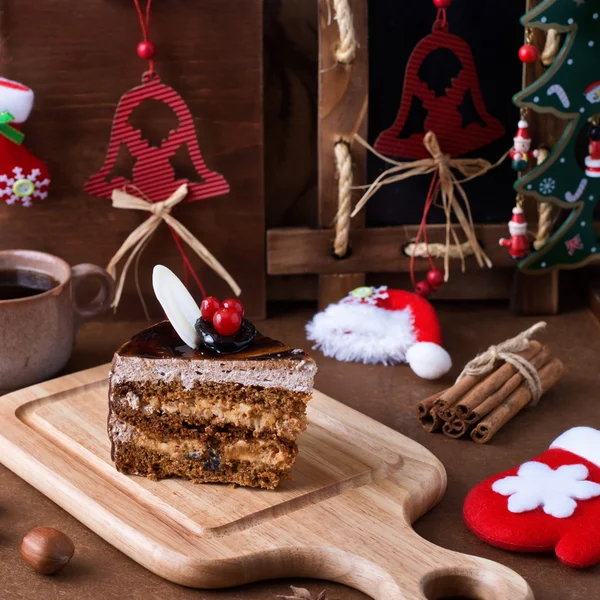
549 504
379 325
23 177
518 224
523 132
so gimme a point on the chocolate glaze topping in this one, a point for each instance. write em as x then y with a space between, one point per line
161 341
226 344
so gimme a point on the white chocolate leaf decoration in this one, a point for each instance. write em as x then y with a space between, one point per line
179 305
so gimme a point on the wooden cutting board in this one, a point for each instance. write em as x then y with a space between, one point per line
345 517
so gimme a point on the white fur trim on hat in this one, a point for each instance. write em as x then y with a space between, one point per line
360 332
583 441
428 360
16 98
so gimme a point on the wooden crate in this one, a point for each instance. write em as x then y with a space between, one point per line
343 110
79 58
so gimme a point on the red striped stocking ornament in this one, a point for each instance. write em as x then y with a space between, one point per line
24 178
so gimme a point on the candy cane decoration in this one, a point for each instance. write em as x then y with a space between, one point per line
560 92
575 197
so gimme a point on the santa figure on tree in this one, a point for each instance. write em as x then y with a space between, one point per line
518 245
592 161
521 153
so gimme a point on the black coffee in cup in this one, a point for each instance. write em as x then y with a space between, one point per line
22 283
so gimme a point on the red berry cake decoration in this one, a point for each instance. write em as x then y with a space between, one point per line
214 325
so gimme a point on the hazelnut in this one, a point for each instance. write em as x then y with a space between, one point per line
47 550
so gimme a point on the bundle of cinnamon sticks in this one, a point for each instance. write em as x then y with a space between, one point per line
480 405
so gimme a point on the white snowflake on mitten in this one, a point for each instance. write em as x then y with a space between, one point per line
556 491
21 188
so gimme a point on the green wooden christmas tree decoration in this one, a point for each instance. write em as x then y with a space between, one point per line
570 89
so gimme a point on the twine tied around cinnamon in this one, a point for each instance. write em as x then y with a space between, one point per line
137 239
450 188
508 352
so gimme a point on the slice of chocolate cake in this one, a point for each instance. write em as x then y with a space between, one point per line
178 411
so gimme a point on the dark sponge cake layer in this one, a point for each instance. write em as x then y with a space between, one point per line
139 461
220 457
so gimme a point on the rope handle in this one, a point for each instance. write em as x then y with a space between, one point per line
343 162
345 51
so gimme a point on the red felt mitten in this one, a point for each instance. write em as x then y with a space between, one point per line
551 503
23 177
379 325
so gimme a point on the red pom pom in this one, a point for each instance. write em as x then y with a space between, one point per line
227 321
210 305
435 278
528 54
442 3
235 304
423 289
146 50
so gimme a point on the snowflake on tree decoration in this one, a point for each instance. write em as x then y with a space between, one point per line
547 186
21 188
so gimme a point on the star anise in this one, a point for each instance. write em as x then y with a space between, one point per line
303 594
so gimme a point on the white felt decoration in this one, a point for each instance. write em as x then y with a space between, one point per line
428 360
179 305
16 98
583 441
361 332
556 491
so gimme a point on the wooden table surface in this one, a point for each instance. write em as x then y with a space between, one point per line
98 571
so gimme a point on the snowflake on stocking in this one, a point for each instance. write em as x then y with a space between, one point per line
23 188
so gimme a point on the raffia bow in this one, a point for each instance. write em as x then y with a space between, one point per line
443 166
137 239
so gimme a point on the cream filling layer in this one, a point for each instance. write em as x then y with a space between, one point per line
241 450
240 415
258 452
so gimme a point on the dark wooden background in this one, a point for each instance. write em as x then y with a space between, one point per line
80 57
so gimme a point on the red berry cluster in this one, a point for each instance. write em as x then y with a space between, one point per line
435 280
225 316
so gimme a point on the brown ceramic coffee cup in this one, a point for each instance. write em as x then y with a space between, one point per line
37 332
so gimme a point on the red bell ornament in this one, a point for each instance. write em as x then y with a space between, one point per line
153 172
443 111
